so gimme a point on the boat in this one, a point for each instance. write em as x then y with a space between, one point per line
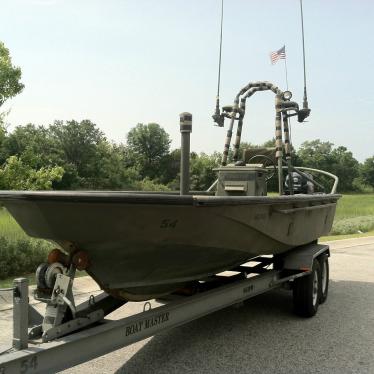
141 245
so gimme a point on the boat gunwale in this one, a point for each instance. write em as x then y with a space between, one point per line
157 198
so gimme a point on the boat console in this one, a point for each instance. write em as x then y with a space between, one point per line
246 180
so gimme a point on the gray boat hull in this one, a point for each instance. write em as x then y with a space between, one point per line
144 245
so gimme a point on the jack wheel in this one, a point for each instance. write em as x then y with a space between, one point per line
307 292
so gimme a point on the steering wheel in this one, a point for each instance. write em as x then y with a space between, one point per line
268 162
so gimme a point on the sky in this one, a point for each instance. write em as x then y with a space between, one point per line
119 63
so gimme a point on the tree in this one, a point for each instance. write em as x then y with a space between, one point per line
2 136
346 167
149 144
202 174
170 169
10 76
339 161
19 176
33 144
367 171
80 155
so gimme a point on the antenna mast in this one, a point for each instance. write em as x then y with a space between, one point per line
305 101
217 116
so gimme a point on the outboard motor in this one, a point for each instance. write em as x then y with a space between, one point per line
300 184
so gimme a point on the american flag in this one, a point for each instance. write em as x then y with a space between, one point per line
277 55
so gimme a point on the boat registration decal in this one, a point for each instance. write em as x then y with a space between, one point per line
147 323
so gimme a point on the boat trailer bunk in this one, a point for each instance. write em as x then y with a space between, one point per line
82 333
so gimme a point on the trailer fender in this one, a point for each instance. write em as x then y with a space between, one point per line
301 258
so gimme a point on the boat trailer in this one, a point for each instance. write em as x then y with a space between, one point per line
86 334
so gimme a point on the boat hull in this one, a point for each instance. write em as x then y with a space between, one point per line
143 245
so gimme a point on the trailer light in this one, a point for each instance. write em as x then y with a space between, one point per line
305 269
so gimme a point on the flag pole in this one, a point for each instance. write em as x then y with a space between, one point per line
285 67
289 119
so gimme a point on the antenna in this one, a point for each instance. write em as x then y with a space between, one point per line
217 116
305 101
303 113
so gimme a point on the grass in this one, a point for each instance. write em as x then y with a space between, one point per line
355 205
8 282
348 236
354 215
9 228
19 254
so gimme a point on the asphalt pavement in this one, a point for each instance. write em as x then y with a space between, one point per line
263 335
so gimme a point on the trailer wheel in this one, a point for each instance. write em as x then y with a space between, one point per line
307 292
324 263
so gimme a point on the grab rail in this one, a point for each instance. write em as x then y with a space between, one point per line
298 170
336 179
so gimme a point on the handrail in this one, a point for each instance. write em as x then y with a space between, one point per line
333 189
336 179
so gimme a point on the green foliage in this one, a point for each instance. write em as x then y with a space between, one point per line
10 76
355 205
33 144
339 161
21 256
201 170
9 227
90 161
80 144
170 168
367 172
18 176
2 137
353 225
149 185
148 145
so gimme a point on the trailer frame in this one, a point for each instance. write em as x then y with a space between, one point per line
29 356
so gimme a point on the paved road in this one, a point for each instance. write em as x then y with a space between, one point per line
263 336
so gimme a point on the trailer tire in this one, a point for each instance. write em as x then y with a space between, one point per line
307 292
325 273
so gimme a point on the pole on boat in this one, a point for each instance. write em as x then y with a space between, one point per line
185 120
287 150
305 99
278 140
217 117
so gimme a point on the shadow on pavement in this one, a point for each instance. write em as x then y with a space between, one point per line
263 336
